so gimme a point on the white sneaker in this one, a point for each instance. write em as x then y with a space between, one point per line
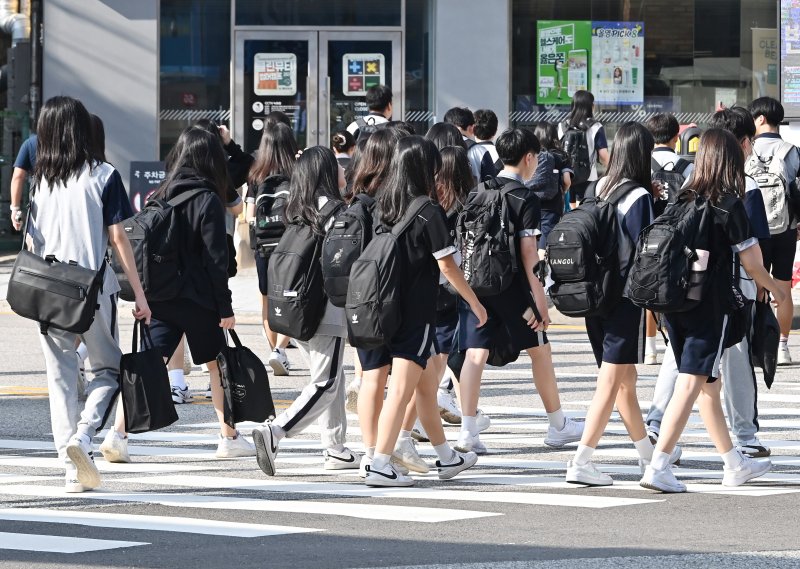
754 448
208 391
448 407
345 460
115 447
469 443
181 396
674 459
362 468
405 453
747 470
651 359
784 357
587 474
419 434
71 484
266 449
352 395
461 462
570 433
79 451
234 448
482 422
279 362
662 481
387 477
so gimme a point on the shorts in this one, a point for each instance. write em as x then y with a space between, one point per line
619 337
171 320
779 253
416 344
698 339
505 321
446 326
549 221
261 269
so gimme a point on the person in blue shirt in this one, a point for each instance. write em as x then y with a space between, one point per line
23 167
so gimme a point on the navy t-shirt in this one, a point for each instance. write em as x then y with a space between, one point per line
26 159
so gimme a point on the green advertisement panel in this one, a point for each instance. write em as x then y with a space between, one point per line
563 60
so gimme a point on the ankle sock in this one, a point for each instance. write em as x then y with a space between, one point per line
404 435
469 424
645 448
277 432
380 461
177 379
370 452
650 345
583 455
660 460
82 351
445 453
557 419
732 458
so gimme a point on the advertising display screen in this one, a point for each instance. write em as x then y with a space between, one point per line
790 57
618 62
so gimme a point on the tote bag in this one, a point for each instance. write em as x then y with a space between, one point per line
245 383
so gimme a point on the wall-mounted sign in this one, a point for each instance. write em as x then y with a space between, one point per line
765 62
275 74
563 61
618 62
790 57
360 71
146 177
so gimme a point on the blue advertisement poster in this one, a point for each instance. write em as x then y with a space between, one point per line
618 62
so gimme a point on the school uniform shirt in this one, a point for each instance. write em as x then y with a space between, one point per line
483 160
668 158
26 158
524 210
596 140
766 145
371 118
732 233
757 215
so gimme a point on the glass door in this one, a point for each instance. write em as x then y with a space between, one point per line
275 71
349 64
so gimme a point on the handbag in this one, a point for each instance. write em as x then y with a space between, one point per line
245 383
766 336
55 294
146 396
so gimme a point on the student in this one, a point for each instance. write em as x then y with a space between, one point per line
379 103
428 249
23 167
618 339
483 153
316 180
463 119
697 337
741 393
270 174
779 254
344 145
581 116
552 179
77 212
444 134
518 149
277 117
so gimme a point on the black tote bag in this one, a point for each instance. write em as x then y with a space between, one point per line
245 383
146 396
766 335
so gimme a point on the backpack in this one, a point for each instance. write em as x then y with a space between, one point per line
375 292
485 237
672 179
575 144
366 128
270 222
545 182
661 279
769 173
296 296
154 236
344 243
583 256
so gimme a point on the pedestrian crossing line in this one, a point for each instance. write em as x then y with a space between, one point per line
103 466
14 479
362 491
209 502
149 523
59 544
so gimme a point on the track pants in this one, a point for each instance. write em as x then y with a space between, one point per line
68 415
324 398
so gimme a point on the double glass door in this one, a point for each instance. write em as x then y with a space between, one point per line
319 79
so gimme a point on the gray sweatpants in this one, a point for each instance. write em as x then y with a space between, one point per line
324 398
68 414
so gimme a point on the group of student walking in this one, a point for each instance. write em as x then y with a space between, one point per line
415 187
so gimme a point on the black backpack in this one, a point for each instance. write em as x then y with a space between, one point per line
485 237
546 179
344 243
374 295
575 144
583 256
270 222
673 180
154 235
296 296
660 278
367 128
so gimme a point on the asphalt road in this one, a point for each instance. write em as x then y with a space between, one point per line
177 506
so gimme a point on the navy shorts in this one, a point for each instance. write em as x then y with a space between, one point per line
261 269
698 339
619 337
446 326
415 343
504 310
779 251
171 320
549 220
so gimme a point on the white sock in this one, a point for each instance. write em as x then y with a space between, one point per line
404 435
784 339
176 379
380 461
370 452
338 449
645 448
82 351
583 455
732 458
660 460
468 424
445 453
278 432
650 346
557 419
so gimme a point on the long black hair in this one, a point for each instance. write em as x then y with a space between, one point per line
415 164
199 152
454 180
547 133
276 154
64 130
718 166
98 139
444 134
315 175
582 108
630 157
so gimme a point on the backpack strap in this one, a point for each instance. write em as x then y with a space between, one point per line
655 166
681 166
365 199
410 215
622 191
186 196
361 123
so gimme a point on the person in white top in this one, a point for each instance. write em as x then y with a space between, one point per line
379 103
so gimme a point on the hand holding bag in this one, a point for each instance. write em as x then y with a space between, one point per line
146 396
245 383
766 336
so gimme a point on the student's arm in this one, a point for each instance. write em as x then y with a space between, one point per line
601 146
17 187
236 209
215 253
455 277
566 180
753 263
124 254
250 217
603 156
529 255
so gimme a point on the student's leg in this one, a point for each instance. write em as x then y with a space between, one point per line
687 388
272 337
58 347
544 377
605 394
741 391
711 411
470 388
333 420
785 311
651 352
628 405
411 414
370 403
665 385
405 377
217 399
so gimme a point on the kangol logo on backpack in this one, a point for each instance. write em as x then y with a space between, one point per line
277 311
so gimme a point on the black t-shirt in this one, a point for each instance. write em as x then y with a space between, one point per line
524 209
731 234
